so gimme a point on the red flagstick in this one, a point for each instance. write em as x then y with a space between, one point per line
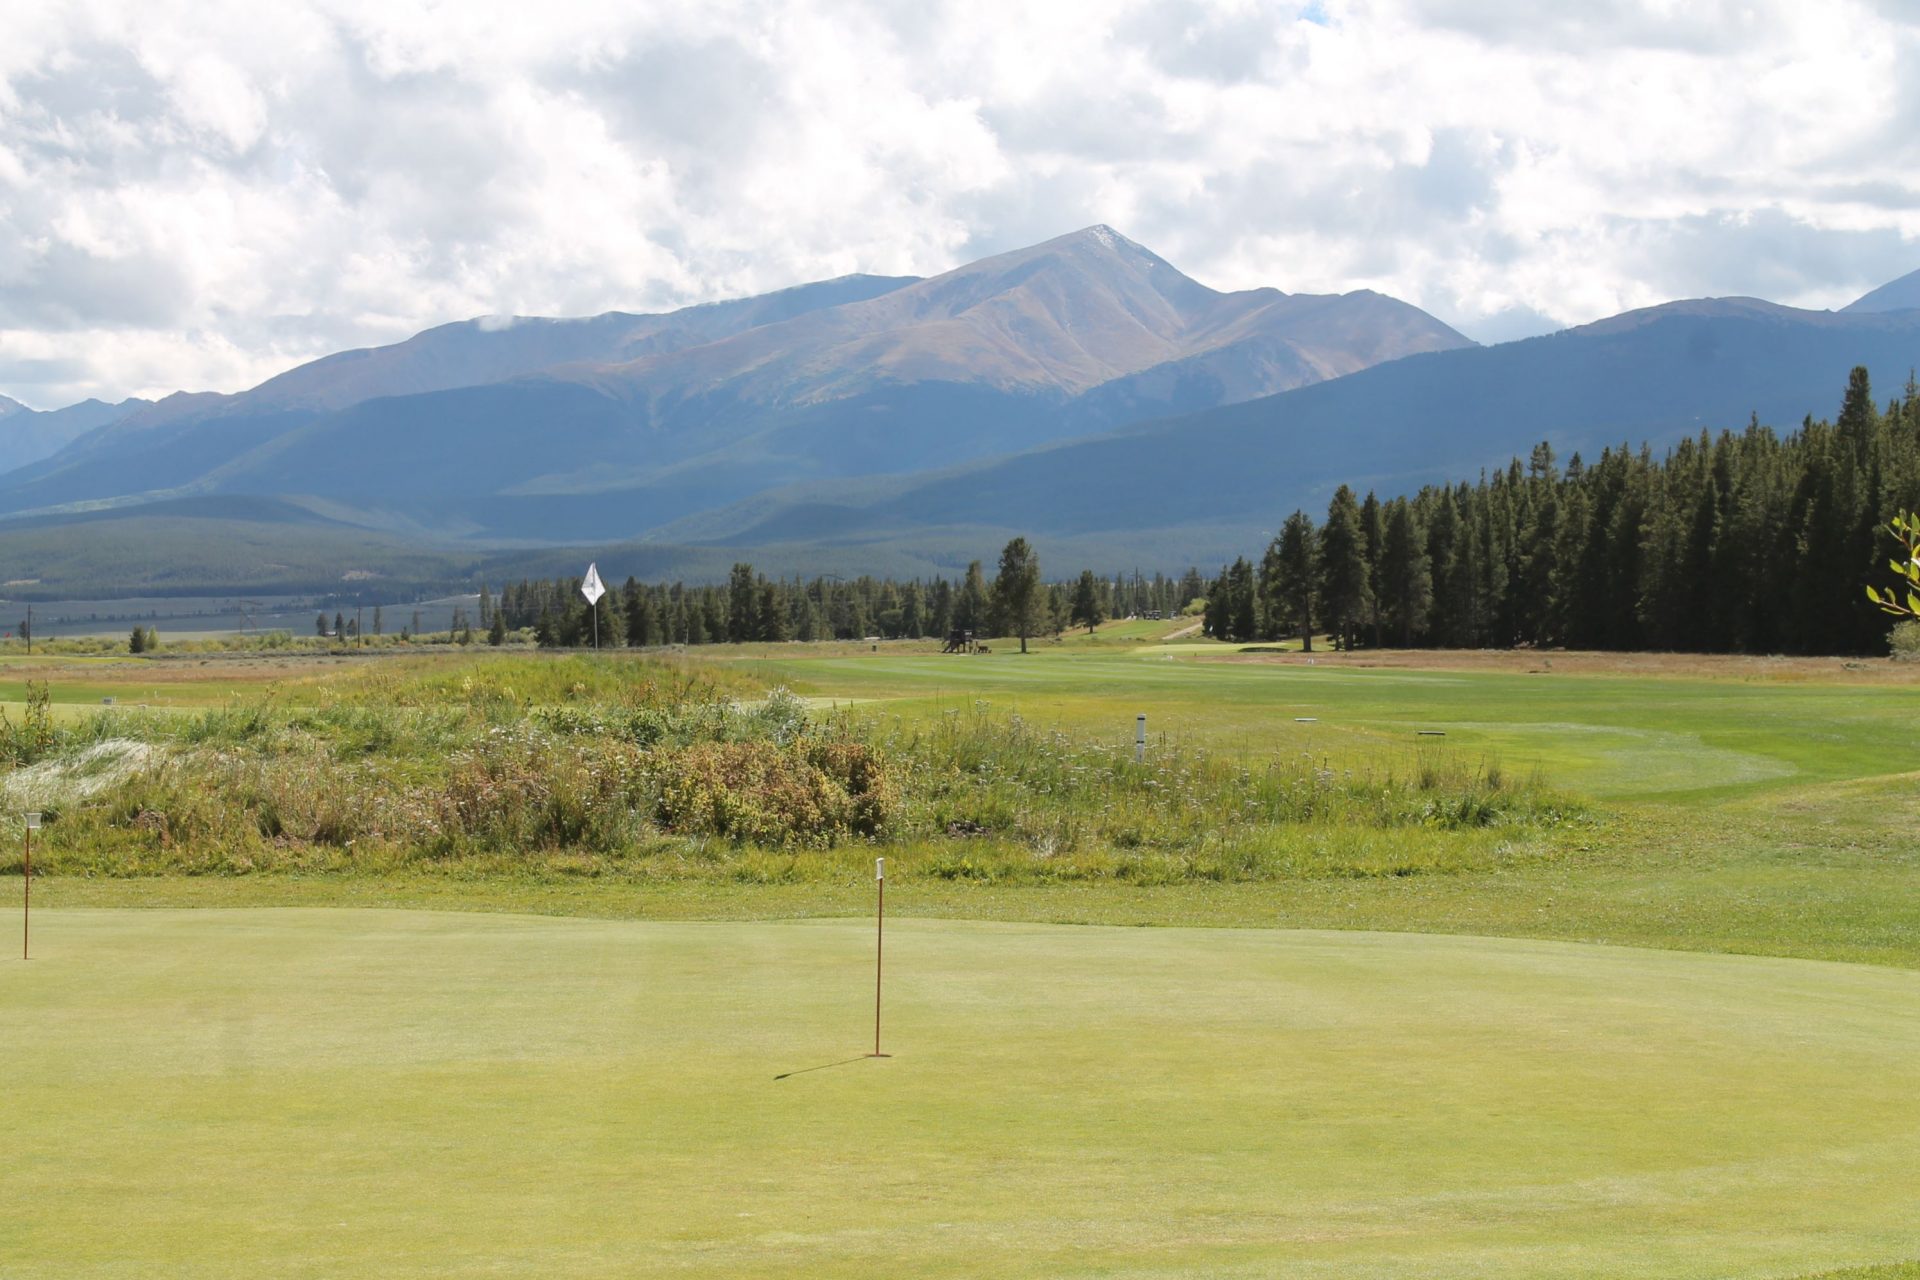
879 942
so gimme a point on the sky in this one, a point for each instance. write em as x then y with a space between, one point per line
195 195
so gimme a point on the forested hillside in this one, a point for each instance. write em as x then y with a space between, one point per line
1744 542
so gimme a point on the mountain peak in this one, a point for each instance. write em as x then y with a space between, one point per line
1896 295
1102 238
10 406
1103 234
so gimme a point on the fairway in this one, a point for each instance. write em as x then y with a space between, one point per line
1696 739
322 1093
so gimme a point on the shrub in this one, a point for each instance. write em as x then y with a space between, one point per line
522 789
1905 641
806 792
35 736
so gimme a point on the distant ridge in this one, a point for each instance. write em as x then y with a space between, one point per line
1220 481
28 435
610 428
1896 295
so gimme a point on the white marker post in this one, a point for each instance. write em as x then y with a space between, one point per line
1139 739
26 888
592 588
879 942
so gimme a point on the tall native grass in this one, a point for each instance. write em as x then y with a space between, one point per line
1029 801
661 768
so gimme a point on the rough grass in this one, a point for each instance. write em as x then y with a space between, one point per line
1738 814
664 768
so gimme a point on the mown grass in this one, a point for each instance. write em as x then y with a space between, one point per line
214 1093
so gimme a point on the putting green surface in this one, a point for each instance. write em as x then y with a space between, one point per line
325 1093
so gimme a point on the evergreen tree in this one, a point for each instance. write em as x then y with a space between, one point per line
806 619
1406 573
610 618
636 603
1270 621
912 611
1241 611
497 630
1456 578
1373 528
1016 591
1191 588
1569 604
772 613
940 616
1086 603
970 605
1539 567
1345 593
1293 592
1213 618
137 642
743 621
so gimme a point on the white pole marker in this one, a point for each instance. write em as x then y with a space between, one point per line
879 942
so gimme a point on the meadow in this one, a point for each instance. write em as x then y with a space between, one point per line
1372 1034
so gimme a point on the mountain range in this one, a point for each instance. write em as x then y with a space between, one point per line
27 435
1082 390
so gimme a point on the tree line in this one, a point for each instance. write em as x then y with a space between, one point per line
1741 542
752 607
1746 541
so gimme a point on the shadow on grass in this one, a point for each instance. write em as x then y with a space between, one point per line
825 1065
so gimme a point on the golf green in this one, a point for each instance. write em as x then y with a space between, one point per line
323 1093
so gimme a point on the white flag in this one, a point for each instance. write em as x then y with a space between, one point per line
591 587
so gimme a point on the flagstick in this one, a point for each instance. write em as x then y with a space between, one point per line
592 588
26 889
879 940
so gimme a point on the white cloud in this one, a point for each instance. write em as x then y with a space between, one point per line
195 195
